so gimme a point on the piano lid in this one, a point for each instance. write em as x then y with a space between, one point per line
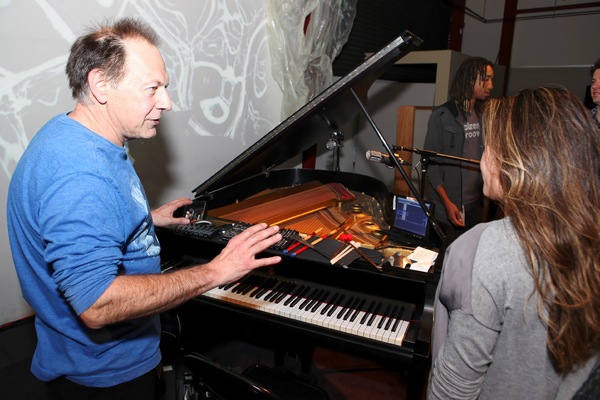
324 114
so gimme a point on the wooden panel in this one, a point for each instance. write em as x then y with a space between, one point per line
405 135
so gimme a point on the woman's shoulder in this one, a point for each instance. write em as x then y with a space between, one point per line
485 235
483 250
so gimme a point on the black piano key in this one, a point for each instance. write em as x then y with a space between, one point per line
281 289
346 305
300 296
295 295
309 298
398 319
375 310
229 285
239 286
347 311
275 291
260 287
335 306
393 315
363 320
265 288
316 294
235 286
252 289
384 316
246 284
272 289
288 290
320 301
315 300
330 304
358 309
351 309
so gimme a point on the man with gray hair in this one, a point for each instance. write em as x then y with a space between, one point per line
82 233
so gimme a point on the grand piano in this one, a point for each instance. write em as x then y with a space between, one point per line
364 301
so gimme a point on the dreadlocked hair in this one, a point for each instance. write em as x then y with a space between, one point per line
461 90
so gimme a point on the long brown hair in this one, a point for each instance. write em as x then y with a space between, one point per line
547 151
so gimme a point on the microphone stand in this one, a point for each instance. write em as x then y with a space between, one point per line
396 162
425 155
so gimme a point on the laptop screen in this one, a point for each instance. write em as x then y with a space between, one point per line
409 217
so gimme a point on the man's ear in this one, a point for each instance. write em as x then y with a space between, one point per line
98 85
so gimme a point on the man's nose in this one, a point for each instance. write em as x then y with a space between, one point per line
164 102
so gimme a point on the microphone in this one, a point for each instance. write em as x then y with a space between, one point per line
429 153
417 151
384 158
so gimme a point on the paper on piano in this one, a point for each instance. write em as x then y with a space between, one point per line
422 259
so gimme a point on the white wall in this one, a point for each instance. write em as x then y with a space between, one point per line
384 99
224 97
546 51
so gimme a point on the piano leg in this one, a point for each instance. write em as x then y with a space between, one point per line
416 384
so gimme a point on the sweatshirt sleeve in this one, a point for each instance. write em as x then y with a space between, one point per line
471 293
84 232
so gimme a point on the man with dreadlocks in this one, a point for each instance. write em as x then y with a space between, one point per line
454 129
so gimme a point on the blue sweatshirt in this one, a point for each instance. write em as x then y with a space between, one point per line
78 217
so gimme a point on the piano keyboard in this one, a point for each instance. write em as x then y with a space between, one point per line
369 317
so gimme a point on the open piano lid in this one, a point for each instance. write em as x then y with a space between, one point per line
324 114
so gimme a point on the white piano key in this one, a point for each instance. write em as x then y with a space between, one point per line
323 308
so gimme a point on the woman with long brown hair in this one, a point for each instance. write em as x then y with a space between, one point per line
518 311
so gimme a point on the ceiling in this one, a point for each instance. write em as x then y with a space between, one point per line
378 22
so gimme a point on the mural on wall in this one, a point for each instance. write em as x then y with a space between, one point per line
217 57
212 55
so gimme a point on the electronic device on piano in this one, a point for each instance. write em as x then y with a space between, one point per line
336 282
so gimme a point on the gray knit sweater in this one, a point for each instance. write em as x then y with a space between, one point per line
489 342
